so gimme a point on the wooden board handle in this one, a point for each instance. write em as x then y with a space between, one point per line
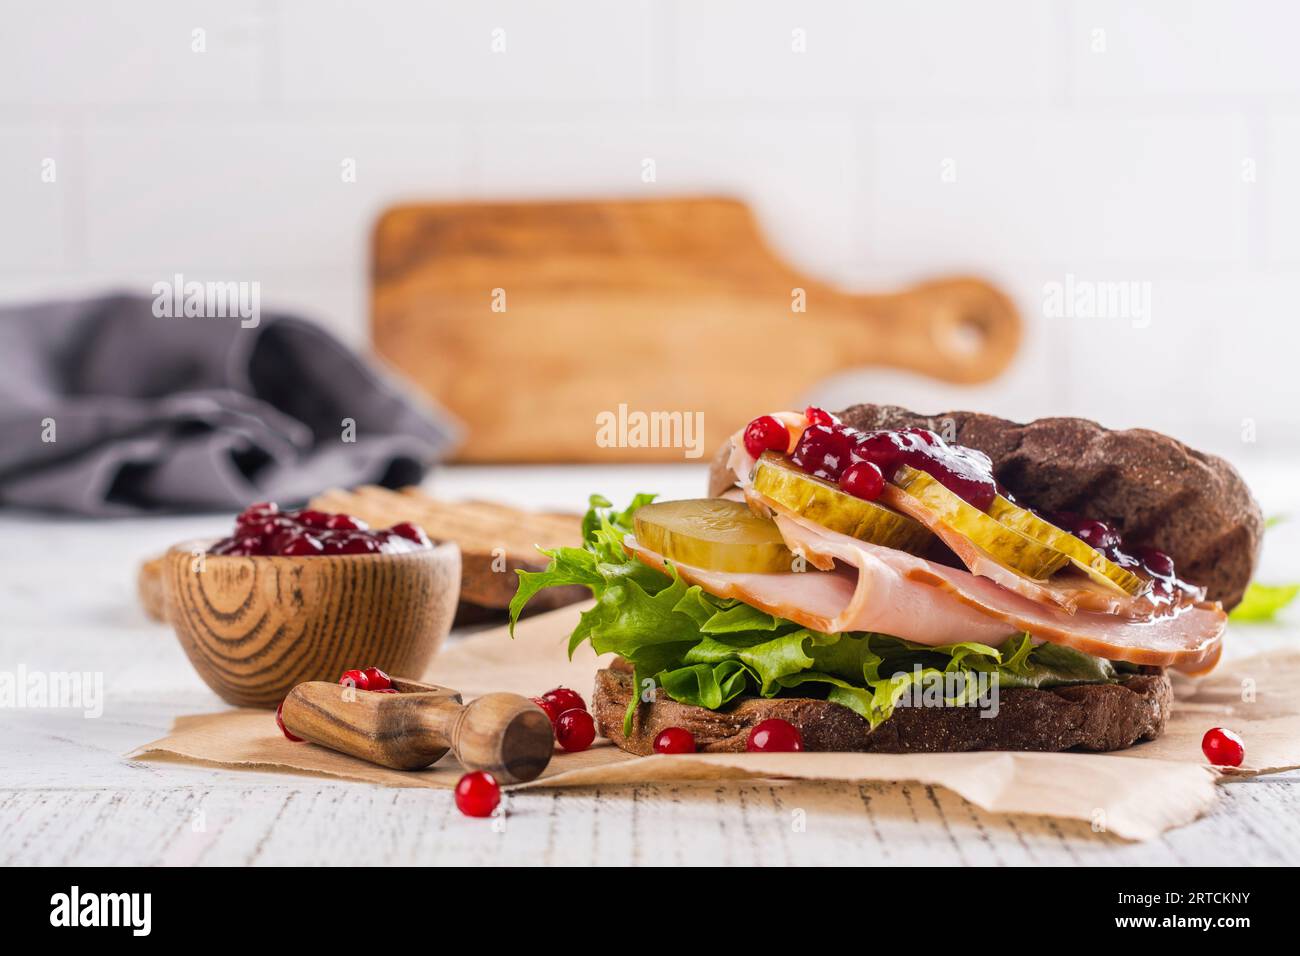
505 734
957 330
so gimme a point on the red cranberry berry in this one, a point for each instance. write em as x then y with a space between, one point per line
300 545
675 740
575 730
241 547
1223 748
1157 562
279 722
356 543
261 529
411 532
357 678
565 699
252 517
819 416
882 449
310 518
823 451
862 480
377 679
477 794
1096 534
923 435
766 433
345 523
548 707
774 736
270 527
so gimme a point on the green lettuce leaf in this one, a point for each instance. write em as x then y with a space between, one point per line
1263 602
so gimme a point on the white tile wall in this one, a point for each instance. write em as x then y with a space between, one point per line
37 175
799 172
80 54
253 197
357 51
996 50
1025 140
1035 187
1188 48
1280 176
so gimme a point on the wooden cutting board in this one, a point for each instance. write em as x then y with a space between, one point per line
530 320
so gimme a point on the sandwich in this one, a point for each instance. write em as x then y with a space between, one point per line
881 581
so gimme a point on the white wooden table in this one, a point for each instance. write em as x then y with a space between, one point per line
67 795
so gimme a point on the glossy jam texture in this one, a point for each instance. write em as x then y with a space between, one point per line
828 447
263 529
830 450
1149 562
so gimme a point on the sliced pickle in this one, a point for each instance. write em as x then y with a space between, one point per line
1007 546
1088 559
820 501
712 533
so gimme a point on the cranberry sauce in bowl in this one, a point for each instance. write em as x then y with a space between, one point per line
263 529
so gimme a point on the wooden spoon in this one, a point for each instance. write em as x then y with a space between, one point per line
505 734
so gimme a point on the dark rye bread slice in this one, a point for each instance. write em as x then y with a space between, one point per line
1155 490
1092 717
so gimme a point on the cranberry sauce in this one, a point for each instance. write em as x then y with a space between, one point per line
263 529
830 450
827 448
1154 565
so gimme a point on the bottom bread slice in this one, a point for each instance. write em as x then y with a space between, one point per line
1093 717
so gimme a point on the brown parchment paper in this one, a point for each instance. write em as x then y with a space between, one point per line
1136 794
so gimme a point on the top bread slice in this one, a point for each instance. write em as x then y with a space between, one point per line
1153 489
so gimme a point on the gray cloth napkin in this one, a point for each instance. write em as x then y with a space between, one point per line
193 413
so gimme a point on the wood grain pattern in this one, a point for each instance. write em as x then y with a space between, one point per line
255 627
505 734
149 589
188 817
664 305
495 539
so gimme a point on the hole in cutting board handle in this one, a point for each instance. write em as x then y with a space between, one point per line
973 328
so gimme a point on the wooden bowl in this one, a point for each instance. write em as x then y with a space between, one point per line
255 627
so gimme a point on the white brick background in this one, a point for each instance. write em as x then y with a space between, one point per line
1021 139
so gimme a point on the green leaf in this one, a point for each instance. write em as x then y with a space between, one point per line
568 566
705 685
738 618
1263 602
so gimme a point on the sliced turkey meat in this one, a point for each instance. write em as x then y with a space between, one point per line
1189 639
871 594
